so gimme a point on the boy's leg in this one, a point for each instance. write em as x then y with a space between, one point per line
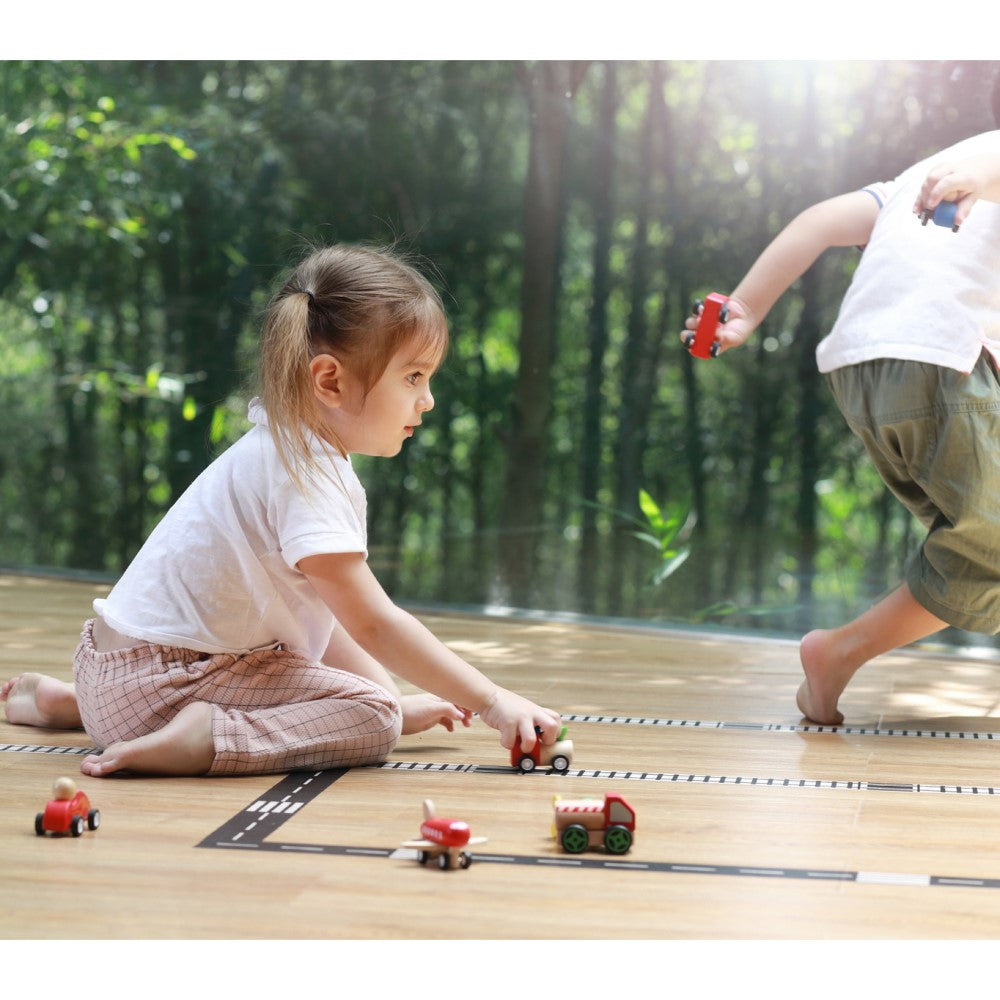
831 657
32 699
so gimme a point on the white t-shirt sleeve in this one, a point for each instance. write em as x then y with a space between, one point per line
329 518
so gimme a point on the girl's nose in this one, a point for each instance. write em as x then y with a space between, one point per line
426 401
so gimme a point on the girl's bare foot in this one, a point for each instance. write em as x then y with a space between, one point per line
183 746
826 677
37 700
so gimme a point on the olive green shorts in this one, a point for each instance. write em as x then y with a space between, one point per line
934 436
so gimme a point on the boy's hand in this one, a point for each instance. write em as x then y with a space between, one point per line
515 719
964 182
733 333
424 711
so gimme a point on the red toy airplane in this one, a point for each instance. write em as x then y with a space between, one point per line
444 839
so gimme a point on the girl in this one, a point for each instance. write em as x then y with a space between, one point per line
249 636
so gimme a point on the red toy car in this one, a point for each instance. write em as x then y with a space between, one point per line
710 312
68 812
556 757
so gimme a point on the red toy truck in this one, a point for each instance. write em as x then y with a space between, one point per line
583 823
556 757
67 812
710 312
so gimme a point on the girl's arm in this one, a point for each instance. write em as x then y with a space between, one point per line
846 220
400 643
420 711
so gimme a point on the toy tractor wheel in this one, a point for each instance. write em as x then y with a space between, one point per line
76 826
560 763
526 763
444 861
575 839
93 819
617 839
40 824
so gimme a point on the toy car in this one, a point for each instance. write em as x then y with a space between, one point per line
67 812
711 311
556 757
444 839
583 823
943 215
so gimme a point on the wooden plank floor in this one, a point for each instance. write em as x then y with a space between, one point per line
800 847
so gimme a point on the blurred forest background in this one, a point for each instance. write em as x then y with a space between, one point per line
577 460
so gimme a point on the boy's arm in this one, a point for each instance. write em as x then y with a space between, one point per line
964 182
396 640
846 220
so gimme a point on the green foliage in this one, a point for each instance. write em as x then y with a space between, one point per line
668 526
147 208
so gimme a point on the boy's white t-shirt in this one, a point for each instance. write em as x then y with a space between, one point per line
218 573
923 293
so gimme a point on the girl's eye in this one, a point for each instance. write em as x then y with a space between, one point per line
414 378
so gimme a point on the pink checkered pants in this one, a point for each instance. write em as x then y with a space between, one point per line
273 710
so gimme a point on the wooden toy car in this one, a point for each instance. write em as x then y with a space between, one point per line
444 839
583 823
943 215
556 757
67 812
711 311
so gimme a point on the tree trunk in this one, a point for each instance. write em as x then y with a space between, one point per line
550 87
597 325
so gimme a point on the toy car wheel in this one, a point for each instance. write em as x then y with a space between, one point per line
575 839
422 857
724 313
560 763
689 341
93 819
526 763
444 861
464 860
76 826
617 839
714 350
697 307
40 824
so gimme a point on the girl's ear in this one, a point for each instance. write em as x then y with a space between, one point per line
327 379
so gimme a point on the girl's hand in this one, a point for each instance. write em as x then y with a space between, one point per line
733 333
424 711
515 719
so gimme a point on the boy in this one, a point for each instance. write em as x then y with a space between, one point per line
912 363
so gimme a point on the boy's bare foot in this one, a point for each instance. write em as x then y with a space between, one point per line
183 746
37 700
826 678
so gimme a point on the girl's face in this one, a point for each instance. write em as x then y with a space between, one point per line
379 423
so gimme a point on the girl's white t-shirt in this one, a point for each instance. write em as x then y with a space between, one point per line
218 573
923 292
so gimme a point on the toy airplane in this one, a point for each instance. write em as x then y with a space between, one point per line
444 839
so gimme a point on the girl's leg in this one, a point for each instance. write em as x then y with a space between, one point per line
38 700
183 746
171 711
831 657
